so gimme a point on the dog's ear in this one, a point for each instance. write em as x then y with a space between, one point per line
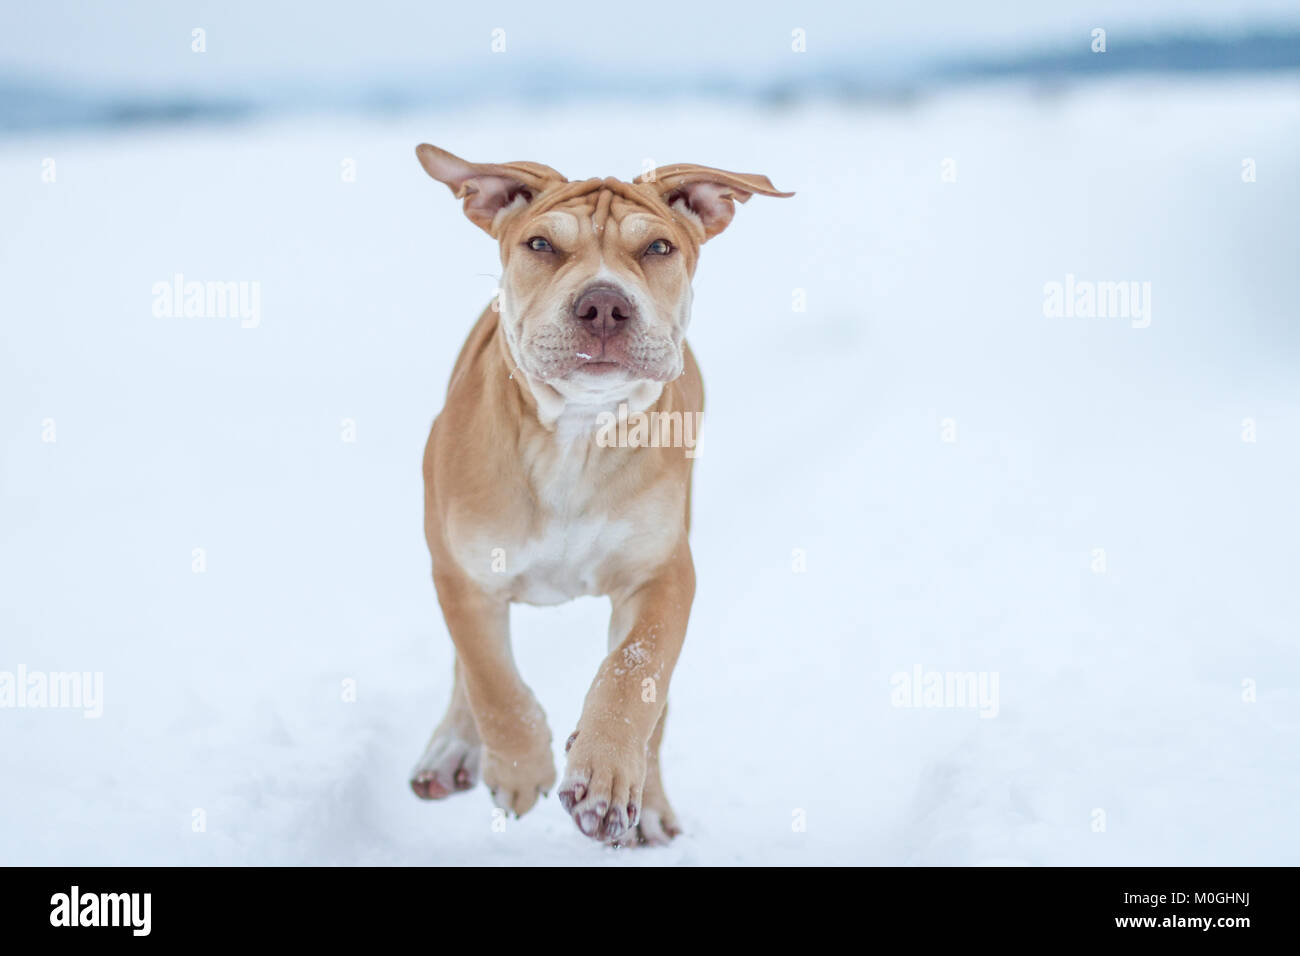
488 189
710 195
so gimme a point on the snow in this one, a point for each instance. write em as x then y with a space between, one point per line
1118 691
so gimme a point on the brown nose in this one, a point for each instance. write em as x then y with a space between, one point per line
603 310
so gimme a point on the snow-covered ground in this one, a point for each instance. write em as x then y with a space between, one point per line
1147 713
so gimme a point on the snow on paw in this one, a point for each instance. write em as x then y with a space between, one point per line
450 764
601 788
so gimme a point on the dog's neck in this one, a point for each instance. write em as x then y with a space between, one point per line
569 410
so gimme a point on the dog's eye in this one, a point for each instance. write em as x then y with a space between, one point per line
538 244
660 247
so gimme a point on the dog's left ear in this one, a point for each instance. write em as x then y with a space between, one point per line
708 194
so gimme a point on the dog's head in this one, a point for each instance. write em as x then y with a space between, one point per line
596 288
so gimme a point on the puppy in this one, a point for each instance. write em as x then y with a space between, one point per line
530 496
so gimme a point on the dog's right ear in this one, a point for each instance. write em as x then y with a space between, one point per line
490 191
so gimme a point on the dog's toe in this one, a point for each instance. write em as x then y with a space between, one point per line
601 821
603 798
449 765
427 787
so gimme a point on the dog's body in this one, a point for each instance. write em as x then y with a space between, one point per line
523 503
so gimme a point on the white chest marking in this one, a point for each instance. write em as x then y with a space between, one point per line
566 560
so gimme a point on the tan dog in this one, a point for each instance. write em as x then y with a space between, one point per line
524 500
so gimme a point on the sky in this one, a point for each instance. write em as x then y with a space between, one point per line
144 46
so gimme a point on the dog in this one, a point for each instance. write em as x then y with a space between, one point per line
524 504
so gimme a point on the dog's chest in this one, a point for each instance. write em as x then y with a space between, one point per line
589 528
569 557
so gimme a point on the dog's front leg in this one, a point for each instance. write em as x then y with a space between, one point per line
605 776
517 764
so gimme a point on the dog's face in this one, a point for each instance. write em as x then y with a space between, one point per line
596 284
596 289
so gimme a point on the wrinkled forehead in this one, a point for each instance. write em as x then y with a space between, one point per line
607 209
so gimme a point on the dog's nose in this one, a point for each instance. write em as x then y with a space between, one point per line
603 310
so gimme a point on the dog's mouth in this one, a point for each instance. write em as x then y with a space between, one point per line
610 366
597 364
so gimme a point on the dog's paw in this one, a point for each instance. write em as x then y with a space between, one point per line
450 765
516 781
602 786
658 824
